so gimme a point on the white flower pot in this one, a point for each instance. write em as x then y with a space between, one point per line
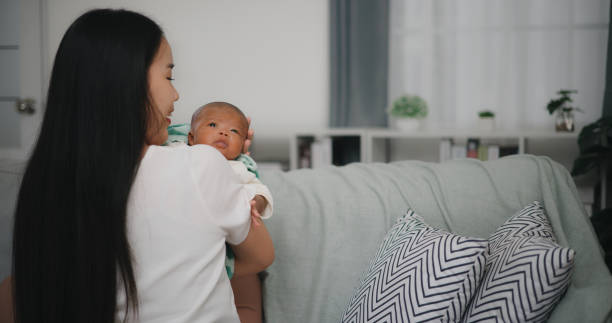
407 124
564 121
486 124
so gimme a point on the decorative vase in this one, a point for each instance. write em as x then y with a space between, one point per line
486 124
564 121
407 124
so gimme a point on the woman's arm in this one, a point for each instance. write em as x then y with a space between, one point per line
256 252
6 301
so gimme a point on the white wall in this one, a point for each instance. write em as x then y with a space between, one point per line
268 57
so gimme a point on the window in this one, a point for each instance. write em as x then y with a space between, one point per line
508 56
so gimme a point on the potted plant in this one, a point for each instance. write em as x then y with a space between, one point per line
408 111
564 119
486 120
595 144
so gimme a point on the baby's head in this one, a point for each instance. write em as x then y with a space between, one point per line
221 125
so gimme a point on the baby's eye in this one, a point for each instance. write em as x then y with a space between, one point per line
212 124
234 131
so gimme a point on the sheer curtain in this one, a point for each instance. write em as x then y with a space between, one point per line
508 56
607 108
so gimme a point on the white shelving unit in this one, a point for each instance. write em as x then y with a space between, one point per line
386 145
304 136
380 149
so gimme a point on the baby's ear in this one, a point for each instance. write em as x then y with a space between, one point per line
190 139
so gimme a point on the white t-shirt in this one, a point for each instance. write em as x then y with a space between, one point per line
185 203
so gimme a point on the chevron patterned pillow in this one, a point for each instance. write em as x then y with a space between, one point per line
419 273
526 274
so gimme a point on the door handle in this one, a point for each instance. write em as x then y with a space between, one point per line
25 106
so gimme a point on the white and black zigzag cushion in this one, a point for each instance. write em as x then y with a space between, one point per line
419 273
527 273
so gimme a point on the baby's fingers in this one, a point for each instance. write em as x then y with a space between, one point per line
255 220
255 216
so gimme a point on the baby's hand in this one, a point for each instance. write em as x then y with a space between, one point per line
255 216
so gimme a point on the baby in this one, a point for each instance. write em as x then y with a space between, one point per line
223 126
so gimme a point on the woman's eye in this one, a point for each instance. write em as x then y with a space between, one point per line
234 131
212 124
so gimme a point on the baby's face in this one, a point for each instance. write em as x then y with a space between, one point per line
223 129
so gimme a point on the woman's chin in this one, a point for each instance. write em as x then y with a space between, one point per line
157 140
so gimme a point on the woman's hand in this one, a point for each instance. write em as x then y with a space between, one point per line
249 139
256 252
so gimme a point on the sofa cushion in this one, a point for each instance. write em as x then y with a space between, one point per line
526 274
418 273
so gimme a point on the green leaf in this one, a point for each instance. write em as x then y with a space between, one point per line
594 143
409 106
585 163
555 104
596 137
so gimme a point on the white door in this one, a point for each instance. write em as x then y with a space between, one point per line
21 76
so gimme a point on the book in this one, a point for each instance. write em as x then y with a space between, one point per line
472 147
482 152
321 152
493 152
458 151
445 150
305 159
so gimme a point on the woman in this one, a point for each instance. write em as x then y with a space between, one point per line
110 226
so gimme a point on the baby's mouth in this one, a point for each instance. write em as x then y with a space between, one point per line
220 144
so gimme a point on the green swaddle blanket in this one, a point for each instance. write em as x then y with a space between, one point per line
178 135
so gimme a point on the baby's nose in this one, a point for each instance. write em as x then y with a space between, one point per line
223 132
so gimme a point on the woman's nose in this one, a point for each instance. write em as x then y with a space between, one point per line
176 94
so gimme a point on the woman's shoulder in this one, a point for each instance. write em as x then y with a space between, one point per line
181 150
196 155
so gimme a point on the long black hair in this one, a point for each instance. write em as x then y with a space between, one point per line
71 255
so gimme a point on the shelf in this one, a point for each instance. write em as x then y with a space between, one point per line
382 144
387 133
387 145
357 136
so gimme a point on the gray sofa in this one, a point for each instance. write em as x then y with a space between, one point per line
329 222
